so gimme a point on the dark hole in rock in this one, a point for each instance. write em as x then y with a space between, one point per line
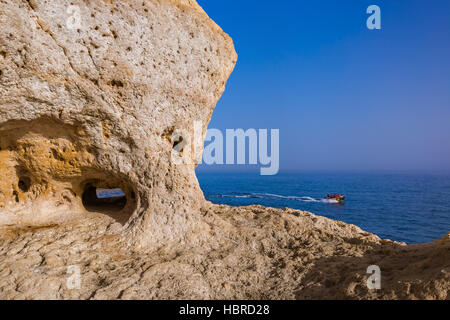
116 83
111 202
179 144
24 184
16 196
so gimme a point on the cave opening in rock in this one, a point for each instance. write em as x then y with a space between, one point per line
104 200
111 198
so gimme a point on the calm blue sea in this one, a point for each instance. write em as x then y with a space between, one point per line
413 208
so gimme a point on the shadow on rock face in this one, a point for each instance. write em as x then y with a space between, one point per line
406 272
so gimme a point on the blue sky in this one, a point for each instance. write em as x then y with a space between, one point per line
344 97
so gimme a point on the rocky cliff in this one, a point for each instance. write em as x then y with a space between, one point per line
92 96
98 95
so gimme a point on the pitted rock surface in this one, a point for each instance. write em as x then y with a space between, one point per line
97 106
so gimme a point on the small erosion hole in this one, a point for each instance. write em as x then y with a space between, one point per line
24 184
116 83
16 196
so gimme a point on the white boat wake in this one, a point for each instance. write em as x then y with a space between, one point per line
275 196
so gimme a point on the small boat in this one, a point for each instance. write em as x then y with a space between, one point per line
338 197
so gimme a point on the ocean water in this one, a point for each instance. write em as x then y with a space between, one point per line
412 208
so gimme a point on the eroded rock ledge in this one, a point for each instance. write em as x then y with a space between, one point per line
255 253
95 107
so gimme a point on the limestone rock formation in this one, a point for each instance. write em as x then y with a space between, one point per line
91 93
255 253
